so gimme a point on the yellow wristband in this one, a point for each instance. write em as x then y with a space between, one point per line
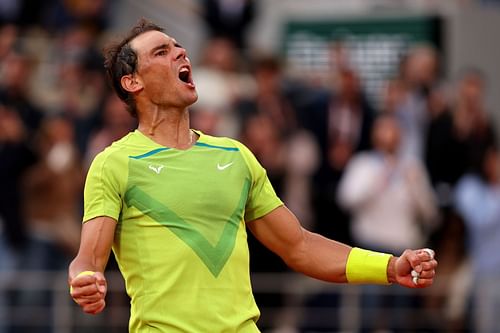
364 266
80 274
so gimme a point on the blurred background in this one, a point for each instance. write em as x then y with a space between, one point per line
376 121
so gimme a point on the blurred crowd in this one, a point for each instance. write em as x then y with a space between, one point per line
420 168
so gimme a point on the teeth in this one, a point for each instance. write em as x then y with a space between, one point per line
184 70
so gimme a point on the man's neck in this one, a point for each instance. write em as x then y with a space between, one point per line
169 128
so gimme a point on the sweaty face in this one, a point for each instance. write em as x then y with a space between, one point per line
163 70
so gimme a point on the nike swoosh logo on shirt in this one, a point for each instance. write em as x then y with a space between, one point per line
225 166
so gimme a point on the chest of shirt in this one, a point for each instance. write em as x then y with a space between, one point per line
202 184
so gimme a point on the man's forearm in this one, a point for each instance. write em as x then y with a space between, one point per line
320 258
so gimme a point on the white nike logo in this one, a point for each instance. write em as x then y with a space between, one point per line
225 166
156 169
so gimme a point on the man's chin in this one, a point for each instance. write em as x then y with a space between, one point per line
194 99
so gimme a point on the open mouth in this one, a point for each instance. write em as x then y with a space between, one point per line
185 76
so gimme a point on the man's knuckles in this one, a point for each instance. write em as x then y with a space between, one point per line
94 308
85 290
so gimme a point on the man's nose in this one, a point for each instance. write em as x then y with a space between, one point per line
182 53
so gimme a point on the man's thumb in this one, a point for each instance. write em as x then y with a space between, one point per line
101 282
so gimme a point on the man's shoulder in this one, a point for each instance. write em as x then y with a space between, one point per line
221 142
227 144
117 150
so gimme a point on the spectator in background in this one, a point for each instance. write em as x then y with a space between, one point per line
16 69
63 14
445 154
16 157
221 83
53 187
272 97
70 81
472 125
444 165
19 120
229 18
392 202
115 123
388 195
19 251
477 198
260 135
418 75
458 136
341 122
8 37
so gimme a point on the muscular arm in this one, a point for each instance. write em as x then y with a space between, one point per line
89 291
302 250
95 246
325 259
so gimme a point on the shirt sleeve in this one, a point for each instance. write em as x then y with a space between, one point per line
102 195
262 198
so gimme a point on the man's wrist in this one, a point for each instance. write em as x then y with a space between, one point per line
391 270
365 266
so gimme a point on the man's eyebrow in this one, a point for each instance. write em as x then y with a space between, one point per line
159 47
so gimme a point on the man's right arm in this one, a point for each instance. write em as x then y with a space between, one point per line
89 290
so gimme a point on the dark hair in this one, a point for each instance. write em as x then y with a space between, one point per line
120 60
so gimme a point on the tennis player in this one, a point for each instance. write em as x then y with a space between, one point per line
175 205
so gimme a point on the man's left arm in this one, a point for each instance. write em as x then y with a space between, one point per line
329 260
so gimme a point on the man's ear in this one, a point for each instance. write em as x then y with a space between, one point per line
131 83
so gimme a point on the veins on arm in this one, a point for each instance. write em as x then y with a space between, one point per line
302 250
95 246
